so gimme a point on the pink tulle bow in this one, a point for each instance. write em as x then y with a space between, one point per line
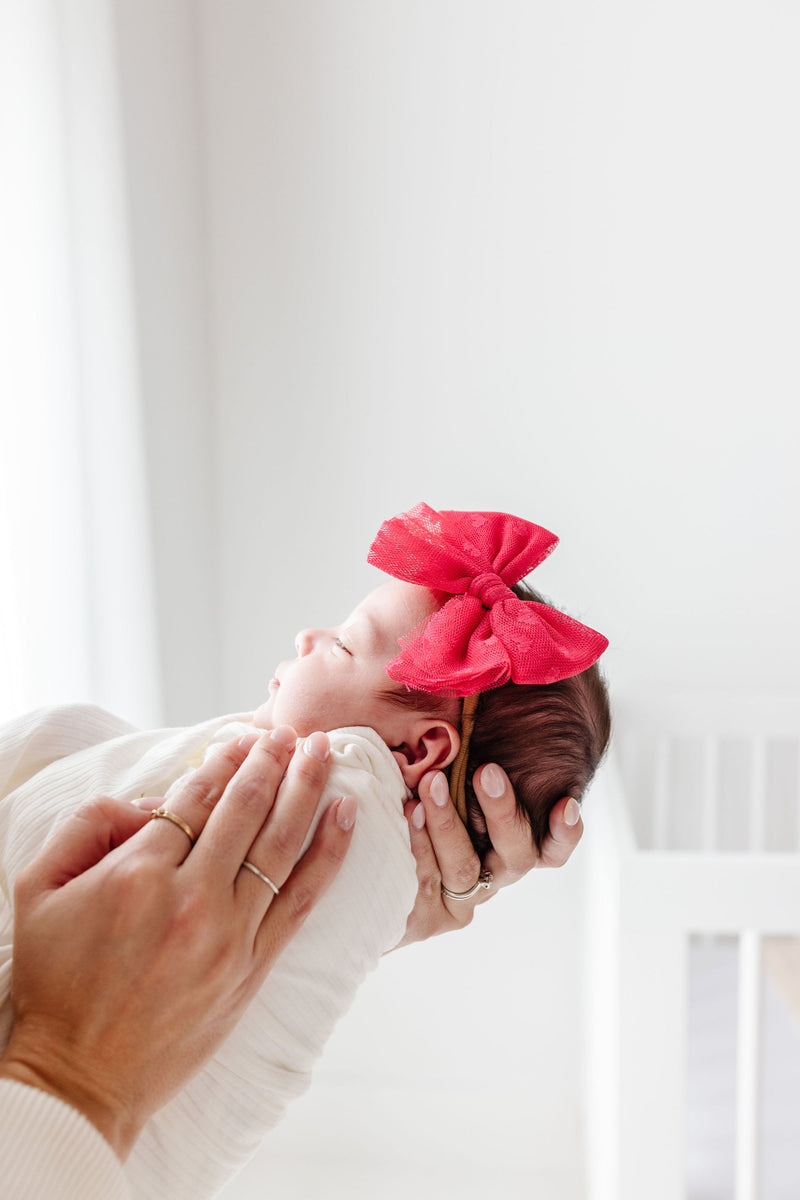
484 635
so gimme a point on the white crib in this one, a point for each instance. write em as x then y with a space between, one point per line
693 840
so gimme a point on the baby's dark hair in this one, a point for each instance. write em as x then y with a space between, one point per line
548 738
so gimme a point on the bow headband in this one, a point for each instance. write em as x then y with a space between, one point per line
483 636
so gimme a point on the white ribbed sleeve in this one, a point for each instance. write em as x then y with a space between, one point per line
51 1152
198 1140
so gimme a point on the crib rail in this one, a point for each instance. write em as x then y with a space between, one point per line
712 789
646 900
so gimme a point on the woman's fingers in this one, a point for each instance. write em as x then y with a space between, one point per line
510 834
196 796
444 854
250 801
459 865
514 853
307 882
82 839
429 877
566 830
278 843
239 779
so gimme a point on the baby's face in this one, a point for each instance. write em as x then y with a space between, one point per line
338 674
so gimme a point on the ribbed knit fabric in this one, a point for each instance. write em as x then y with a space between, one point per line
203 1135
51 1152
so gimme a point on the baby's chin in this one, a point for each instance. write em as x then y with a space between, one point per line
262 717
265 718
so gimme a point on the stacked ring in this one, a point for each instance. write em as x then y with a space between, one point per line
484 881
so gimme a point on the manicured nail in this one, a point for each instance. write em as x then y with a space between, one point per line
572 812
317 746
247 741
145 803
346 812
440 793
418 817
285 736
493 781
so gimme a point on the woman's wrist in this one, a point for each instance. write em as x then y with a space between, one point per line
45 1064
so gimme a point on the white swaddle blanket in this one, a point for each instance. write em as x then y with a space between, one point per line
53 759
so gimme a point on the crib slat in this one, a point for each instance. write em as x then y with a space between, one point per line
758 793
748 1073
710 791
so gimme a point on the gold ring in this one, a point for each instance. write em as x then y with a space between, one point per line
484 881
261 875
170 816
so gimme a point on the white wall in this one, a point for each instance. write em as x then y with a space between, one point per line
534 257
525 256
162 112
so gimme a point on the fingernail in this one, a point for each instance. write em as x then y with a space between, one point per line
285 736
317 746
247 741
440 793
346 812
145 803
418 817
493 781
572 812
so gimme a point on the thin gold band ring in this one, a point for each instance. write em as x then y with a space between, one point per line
176 820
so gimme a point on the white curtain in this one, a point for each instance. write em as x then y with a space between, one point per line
77 612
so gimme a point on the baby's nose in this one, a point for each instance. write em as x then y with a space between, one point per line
304 642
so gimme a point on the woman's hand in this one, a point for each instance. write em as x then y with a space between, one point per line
136 951
445 855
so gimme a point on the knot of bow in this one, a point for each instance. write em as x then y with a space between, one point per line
489 588
484 635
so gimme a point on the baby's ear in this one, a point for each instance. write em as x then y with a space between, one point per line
430 745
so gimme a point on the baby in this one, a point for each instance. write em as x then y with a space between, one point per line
547 726
482 674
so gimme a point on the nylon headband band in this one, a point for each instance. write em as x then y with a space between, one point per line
458 771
